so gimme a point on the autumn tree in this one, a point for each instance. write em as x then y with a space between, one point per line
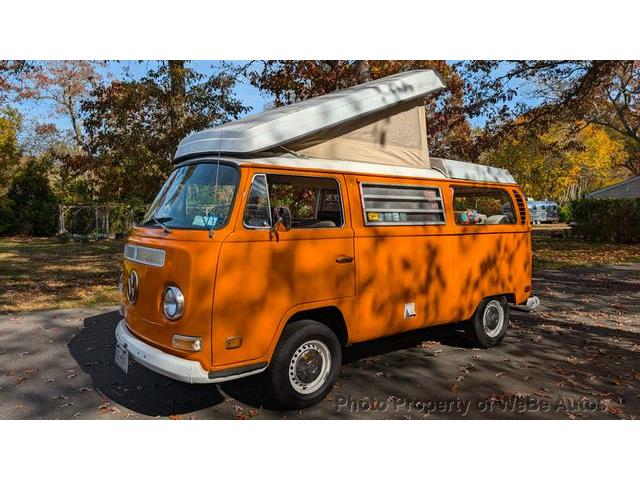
448 131
599 161
64 83
561 163
133 127
579 93
10 125
10 72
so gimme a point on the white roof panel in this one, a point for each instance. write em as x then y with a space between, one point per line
471 171
272 128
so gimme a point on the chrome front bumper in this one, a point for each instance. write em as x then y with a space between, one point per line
181 369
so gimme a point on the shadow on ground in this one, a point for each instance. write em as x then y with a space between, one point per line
584 343
148 393
141 390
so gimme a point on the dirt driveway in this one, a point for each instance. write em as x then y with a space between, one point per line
578 357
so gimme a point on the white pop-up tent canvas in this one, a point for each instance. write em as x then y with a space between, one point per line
382 122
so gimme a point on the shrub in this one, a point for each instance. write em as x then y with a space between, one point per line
564 214
7 216
31 205
607 220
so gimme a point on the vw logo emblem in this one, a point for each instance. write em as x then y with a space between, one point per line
132 287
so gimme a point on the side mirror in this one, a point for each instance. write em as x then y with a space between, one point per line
282 222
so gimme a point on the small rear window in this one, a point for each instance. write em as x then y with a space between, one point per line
482 206
402 205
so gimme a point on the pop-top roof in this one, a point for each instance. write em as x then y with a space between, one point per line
471 171
274 128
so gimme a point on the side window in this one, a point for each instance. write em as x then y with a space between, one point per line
482 206
257 214
401 205
314 202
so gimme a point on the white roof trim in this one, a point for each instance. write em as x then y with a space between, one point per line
272 128
463 170
344 166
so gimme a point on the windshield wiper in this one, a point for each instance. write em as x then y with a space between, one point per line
159 222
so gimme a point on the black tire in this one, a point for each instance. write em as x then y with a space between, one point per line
476 326
295 336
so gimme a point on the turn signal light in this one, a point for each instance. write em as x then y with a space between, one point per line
184 342
233 342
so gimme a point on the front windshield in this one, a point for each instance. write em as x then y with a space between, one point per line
196 196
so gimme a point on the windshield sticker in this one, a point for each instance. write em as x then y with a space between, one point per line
201 221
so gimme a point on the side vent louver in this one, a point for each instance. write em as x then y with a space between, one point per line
521 207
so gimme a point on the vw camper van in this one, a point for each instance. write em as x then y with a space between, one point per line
282 238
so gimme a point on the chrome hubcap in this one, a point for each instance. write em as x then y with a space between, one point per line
493 318
309 367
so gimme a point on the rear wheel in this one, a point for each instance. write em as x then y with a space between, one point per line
489 323
305 365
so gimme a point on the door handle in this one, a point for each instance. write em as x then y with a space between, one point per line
344 259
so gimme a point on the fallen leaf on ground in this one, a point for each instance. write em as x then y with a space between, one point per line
108 408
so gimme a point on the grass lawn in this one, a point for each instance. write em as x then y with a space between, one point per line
40 273
551 252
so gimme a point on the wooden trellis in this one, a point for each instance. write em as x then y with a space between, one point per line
96 221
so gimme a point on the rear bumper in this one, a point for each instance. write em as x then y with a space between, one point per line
531 304
181 369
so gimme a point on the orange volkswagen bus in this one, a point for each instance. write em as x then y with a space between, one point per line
260 260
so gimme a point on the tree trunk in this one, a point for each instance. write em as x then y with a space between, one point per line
364 73
75 124
633 163
177 95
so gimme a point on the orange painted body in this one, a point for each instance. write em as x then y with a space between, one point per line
242 283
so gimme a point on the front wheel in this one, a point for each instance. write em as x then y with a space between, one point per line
488 326
305 365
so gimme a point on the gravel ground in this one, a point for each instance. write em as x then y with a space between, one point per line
577 357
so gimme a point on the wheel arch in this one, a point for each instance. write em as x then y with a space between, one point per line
511 297
331 316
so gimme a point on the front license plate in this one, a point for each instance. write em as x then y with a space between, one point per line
122 358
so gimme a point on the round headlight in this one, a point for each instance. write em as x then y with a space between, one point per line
173 304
